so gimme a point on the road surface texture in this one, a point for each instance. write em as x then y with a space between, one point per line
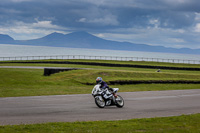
69 108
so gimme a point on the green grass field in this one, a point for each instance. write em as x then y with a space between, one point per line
31 82
177 124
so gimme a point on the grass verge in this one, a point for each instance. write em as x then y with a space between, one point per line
31 82
181 124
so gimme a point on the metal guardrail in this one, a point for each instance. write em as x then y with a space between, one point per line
117 58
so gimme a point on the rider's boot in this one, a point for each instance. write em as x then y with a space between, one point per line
114 96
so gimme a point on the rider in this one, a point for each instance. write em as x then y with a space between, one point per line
103 86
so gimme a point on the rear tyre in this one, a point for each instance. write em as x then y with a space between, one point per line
119 101
100 101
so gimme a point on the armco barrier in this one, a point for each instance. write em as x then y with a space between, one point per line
88 57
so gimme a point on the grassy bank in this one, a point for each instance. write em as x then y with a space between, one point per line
31 82
181 124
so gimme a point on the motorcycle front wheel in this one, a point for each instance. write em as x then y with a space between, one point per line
100 101
119 101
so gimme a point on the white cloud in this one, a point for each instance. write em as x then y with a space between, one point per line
177 1
176 40
107 20
20 30
21 27
154 22
82 20
104 20
101 35
197 17
45 24
179 46
167 37
20 0
180 31
197 27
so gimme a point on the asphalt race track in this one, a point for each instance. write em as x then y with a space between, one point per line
69 108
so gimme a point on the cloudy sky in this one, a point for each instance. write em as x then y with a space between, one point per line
169 23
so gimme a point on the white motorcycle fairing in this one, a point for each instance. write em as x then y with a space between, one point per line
105 97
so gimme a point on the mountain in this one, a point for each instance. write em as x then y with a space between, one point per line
85 40
73 40
6 39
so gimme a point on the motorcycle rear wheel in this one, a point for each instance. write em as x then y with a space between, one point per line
119 101
100 101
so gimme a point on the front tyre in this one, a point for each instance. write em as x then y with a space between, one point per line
119 101
100 101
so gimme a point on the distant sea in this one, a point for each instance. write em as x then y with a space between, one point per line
9 50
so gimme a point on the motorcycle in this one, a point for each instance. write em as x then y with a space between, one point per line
102 99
